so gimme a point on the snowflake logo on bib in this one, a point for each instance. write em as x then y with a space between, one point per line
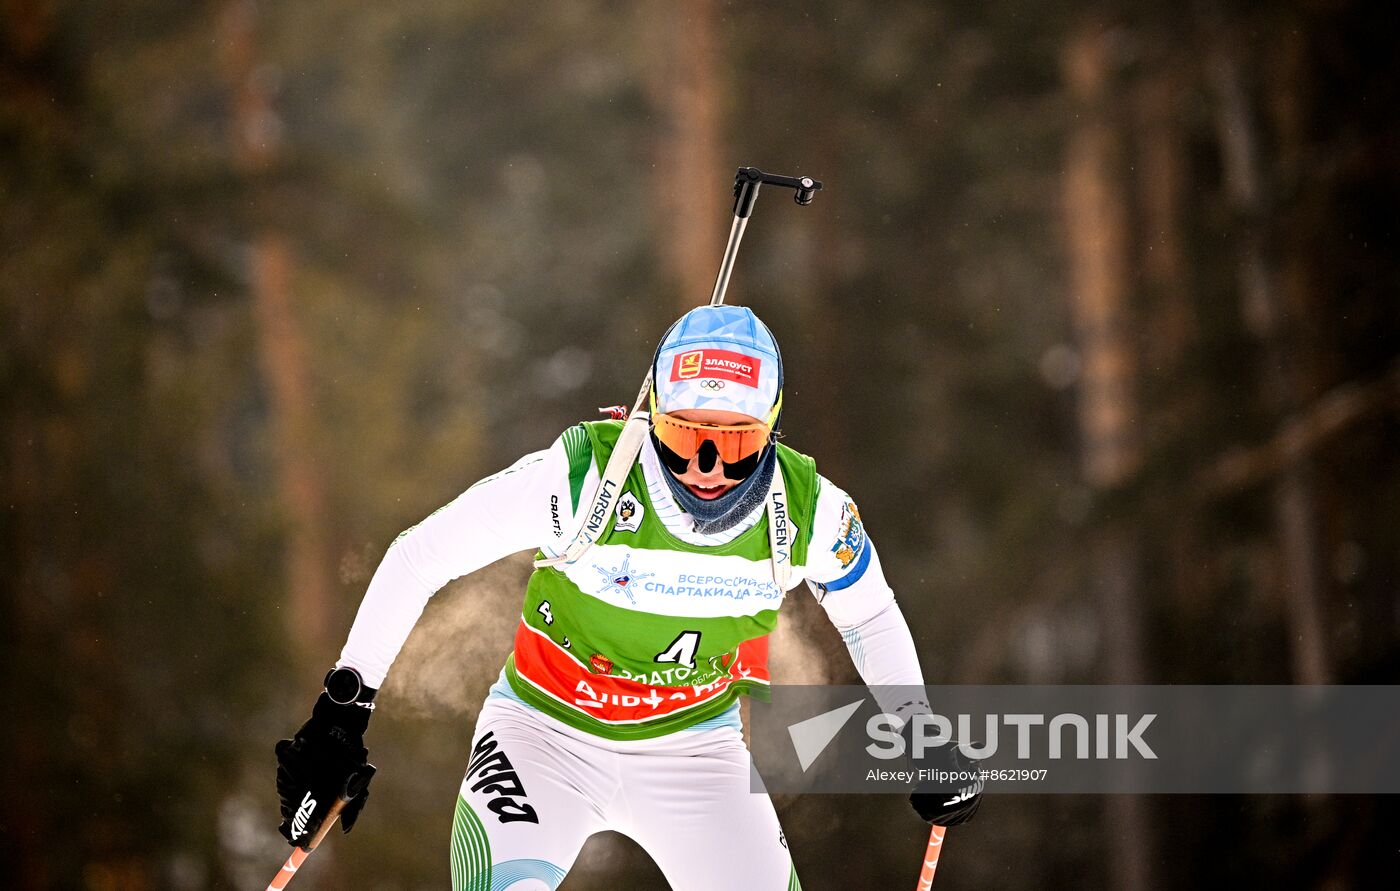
621 579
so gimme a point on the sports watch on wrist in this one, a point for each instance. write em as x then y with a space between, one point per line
345 686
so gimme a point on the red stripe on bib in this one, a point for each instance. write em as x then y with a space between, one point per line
546 665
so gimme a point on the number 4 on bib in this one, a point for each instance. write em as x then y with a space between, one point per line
681 650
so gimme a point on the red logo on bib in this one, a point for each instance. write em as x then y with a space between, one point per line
721 364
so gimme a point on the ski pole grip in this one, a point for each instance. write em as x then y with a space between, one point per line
357 783
353 787
746 183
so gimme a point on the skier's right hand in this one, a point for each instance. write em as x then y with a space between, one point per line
953 801
952 791
323 762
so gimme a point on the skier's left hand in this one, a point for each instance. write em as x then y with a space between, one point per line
952 802
326 759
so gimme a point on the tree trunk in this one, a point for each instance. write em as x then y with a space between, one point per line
1161 166
691 188
40 483
282 347
1265 317
1098 248
301 488
1096 226
1169 324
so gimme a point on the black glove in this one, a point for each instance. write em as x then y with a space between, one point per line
954 797
324 762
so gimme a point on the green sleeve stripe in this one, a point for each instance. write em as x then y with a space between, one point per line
471 850
580 454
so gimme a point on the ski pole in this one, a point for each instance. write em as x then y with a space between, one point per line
746 183
353 787
935 847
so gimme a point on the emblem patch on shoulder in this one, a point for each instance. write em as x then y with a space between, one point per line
851 536
629 513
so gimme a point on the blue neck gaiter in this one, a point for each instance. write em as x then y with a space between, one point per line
724 512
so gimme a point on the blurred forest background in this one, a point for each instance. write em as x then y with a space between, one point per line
1097 318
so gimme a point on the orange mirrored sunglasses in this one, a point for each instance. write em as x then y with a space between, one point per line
734 443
